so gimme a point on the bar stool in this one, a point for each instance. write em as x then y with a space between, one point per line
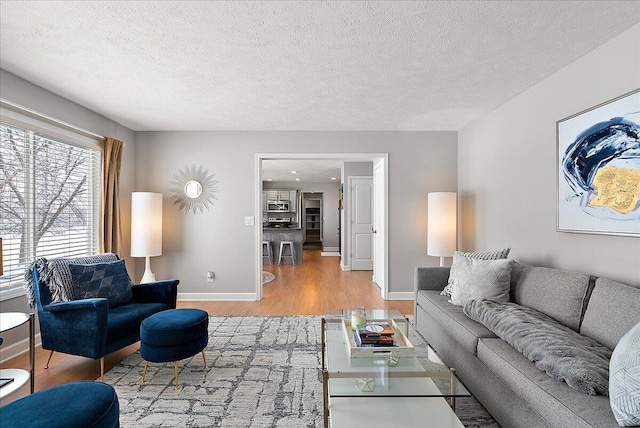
266 245
286 240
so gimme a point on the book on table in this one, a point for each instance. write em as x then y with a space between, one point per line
374 335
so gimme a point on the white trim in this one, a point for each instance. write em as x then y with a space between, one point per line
23 111
49 129
344 267
18 348
400 295
217 297
330 249
15 289
345 157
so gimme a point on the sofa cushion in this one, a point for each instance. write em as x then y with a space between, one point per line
125 320
553 292
562 353
624 381
480 279
613 309
478 255
450 317
553 400
108 280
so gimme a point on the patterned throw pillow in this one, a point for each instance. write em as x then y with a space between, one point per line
484 255
624 379
109 280
481 279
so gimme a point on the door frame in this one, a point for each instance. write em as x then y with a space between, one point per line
345 157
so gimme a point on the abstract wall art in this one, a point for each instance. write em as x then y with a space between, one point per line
599 168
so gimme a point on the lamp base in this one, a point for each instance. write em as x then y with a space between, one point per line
148 275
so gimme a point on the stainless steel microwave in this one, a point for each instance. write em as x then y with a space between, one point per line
278 206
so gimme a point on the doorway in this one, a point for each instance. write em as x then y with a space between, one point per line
380 255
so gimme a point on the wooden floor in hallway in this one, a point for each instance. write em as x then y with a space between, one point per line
310 288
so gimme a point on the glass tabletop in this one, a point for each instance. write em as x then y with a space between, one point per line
411 376
11 320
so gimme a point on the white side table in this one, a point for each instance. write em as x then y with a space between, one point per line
9 321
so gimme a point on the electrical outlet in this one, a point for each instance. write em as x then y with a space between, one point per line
210 276
249 221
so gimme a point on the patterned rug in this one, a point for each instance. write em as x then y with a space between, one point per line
267 277
262 372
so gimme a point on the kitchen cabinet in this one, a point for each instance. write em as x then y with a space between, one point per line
283 195
272 195
293 200
264 201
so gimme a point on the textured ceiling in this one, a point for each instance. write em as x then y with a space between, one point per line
307 170
343 65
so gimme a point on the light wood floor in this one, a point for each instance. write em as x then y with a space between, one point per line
312 288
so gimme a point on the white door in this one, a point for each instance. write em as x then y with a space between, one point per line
361 193
378 225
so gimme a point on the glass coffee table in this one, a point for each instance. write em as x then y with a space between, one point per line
381 390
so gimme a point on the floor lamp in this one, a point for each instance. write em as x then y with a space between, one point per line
146 229
441 224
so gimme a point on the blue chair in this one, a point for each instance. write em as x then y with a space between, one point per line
93 327
72 405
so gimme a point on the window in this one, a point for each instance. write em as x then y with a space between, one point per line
49 199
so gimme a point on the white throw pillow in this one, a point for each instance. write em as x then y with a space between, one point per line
624 379
480 255
480 279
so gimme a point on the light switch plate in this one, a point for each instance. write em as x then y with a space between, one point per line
249 221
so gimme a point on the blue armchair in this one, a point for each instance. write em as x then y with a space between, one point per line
93 327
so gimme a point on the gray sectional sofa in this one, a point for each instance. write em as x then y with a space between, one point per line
512 389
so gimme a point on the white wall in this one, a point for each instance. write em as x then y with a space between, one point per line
330 192
26 94
419 162
507 168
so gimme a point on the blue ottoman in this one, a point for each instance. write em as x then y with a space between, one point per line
72 405
173 335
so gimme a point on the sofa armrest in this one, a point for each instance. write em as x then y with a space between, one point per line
78 305
76 327
430 278
157 292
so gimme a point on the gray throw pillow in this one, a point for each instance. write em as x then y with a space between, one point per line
480 255
624 379
480 279
108 280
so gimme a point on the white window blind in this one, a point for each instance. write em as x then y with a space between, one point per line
49 200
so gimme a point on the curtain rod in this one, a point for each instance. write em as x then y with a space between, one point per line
48 119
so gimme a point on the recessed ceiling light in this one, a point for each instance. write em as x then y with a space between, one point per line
269 179
297 179
294 172
333 178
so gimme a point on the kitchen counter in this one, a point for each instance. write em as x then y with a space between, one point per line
275 235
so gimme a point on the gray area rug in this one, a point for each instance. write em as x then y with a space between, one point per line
262 372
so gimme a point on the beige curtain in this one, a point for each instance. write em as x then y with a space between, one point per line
111 229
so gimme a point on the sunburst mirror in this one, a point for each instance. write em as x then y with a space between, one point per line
194 189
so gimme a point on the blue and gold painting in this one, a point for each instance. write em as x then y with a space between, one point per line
599 169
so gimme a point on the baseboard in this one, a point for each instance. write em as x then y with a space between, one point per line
330 254
10 351
400 295
344 267
217 297
331 249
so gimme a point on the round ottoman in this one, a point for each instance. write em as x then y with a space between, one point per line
173 335
72 405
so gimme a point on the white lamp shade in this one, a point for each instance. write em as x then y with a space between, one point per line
441 224
146 224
